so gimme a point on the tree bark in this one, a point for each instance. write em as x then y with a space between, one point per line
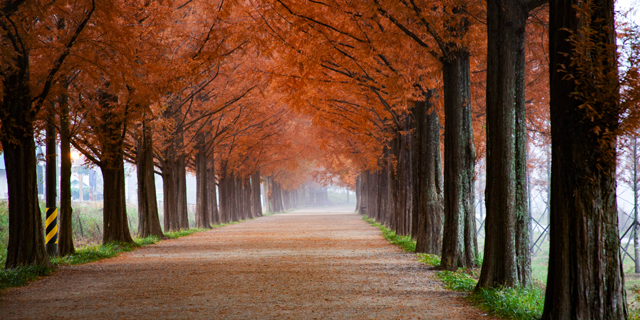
65 239
255 195
169 190
148 219
428 188
181 183
585 279
202 192
507 261
459 245
115 224
26 235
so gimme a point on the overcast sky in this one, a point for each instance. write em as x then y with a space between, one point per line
623 5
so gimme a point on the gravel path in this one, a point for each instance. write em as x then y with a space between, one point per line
300 265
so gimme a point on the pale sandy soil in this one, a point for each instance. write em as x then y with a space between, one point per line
301 265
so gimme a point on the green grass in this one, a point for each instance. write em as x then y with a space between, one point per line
95 253
404 242
513 303
428 259
20 276
4 231
182 233
457 281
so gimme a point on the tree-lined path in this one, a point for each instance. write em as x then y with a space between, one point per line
300 265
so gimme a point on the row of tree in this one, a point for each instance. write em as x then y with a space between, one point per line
396 99
168 87
379 75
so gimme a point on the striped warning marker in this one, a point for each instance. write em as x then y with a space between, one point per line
52 225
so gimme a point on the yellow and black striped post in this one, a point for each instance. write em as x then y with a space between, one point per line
51 178
52 230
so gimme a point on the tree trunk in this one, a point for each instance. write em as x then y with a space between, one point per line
428 188
459 245
223 188
507 261
170 204
148 219
202 181
255 195
65 239
170 190
246 199
585 279
115 224
26 235
372 206
181 183
180 172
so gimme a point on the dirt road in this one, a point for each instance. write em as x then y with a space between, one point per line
301 265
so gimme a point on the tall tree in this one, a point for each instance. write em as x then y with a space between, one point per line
148 220
585 279
20 104
428 187
65 239
507 260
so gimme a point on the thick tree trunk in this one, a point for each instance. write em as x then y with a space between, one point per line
507 261
181 183
384 195
405 176
65 239
202 181
585 279
246 198
180 173
459 245
170 191
223 188
115 223
148 219
394 222
170 205
428 188
26 235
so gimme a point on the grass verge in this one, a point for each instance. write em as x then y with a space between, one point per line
404 242
20 276
510 303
